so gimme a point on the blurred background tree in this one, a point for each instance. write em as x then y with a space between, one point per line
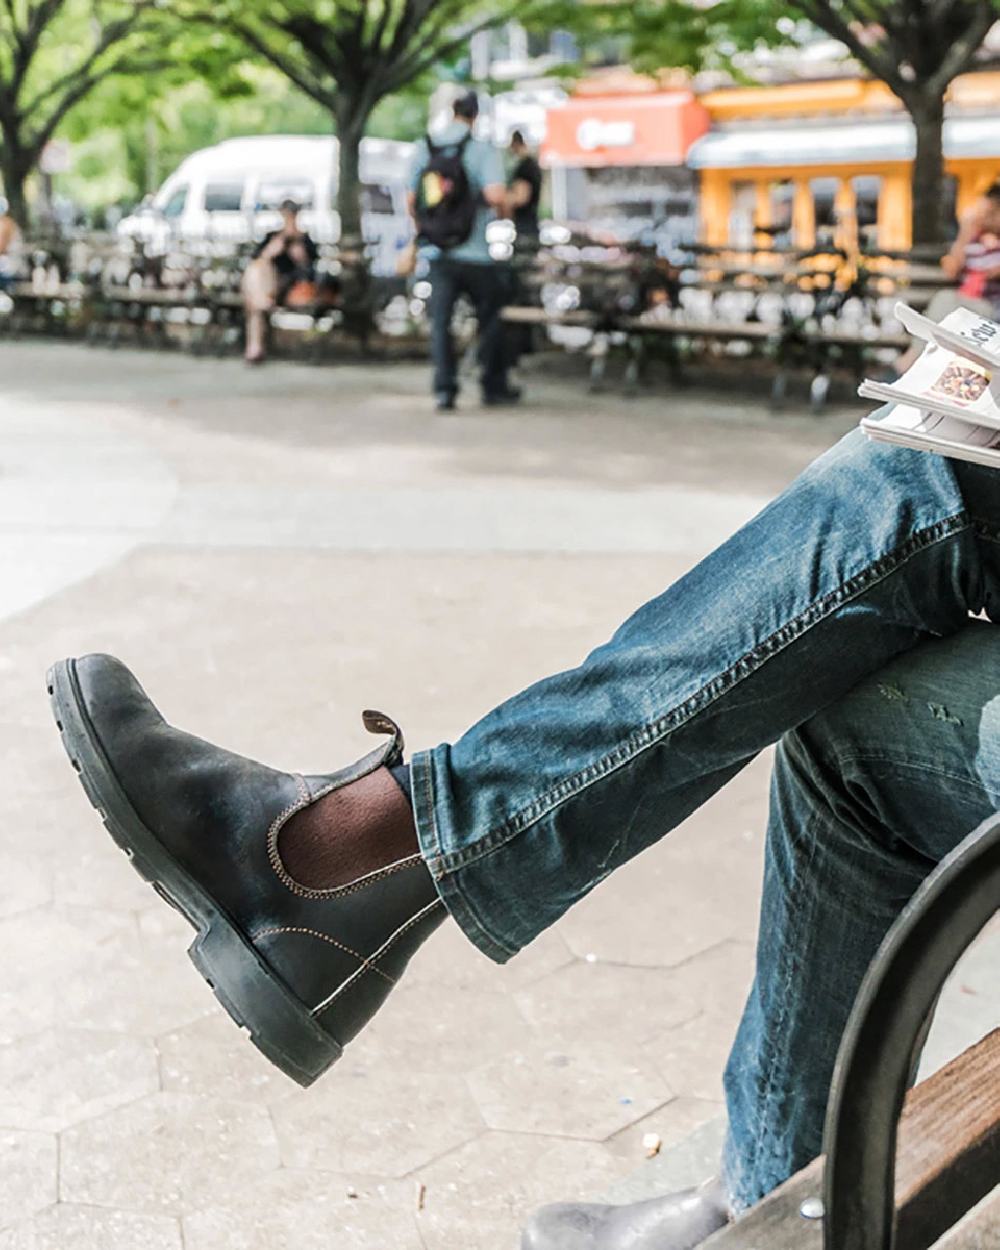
136 85
917 48
351 56
53 54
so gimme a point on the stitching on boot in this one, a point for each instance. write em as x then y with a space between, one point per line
324 937
371 961
304 800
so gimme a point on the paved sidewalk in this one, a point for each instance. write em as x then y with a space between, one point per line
273 551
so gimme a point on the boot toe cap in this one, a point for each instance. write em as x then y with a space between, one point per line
563 1226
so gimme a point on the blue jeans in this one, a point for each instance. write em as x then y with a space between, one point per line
866 797
871 552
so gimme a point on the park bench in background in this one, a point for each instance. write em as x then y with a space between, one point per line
818 313
817 316
109 291
864 1194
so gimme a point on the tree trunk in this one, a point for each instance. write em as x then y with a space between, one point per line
356 287
351 123
15 166
929 225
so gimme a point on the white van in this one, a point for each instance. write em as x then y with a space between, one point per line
231 193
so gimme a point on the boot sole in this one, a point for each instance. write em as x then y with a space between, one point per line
278 1023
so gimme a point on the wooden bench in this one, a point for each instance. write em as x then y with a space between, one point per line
183 294
782 304
891 1181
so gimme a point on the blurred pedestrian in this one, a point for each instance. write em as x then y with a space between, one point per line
973 262
283 271
457 189
524 188
524 192
9 237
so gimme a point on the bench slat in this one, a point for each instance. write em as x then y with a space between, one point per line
948 1152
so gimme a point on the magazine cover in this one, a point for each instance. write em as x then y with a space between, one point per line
906 426
962 331
944 382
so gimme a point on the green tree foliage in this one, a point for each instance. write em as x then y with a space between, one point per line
916 47
53 54
350 55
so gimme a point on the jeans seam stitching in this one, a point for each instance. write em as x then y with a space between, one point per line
841 760
746 665
779 1029
425 774
423 777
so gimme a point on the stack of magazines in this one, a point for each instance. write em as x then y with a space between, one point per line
948 401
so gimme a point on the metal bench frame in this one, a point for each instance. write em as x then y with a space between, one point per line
874 1064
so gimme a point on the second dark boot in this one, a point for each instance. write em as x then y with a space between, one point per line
677 1221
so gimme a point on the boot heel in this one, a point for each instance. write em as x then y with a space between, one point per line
281 1028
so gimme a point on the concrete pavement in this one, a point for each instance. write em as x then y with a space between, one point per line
274 550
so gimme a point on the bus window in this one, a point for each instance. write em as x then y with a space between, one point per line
376 198
223 197
272 192
175 204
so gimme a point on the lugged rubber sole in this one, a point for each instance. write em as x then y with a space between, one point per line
279 1025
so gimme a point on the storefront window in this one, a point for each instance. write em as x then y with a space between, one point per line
632 201
742 209
781 197
867 189
824 194
950 188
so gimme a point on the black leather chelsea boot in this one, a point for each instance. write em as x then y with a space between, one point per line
302 969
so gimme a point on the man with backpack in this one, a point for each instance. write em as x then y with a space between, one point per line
457 189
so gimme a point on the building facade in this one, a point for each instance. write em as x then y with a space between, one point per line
804 163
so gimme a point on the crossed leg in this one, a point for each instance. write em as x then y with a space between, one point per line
866 798
869 554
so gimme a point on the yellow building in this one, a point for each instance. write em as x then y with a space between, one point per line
829 162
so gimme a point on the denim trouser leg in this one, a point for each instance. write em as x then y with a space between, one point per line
866 798
488 289
871 550
445 290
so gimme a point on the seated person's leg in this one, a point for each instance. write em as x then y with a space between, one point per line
870 551
259 289
259 285
866 798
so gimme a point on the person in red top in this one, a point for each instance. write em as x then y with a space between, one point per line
973 262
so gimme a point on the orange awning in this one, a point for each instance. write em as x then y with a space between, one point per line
650 129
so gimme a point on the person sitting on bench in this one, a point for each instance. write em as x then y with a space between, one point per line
283 270
837 624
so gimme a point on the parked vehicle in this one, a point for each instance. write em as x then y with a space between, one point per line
230 193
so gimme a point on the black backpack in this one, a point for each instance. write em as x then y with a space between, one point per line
446 203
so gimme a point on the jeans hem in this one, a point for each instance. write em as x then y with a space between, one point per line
447 883
651 734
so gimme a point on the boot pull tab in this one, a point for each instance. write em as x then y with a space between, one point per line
379 723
